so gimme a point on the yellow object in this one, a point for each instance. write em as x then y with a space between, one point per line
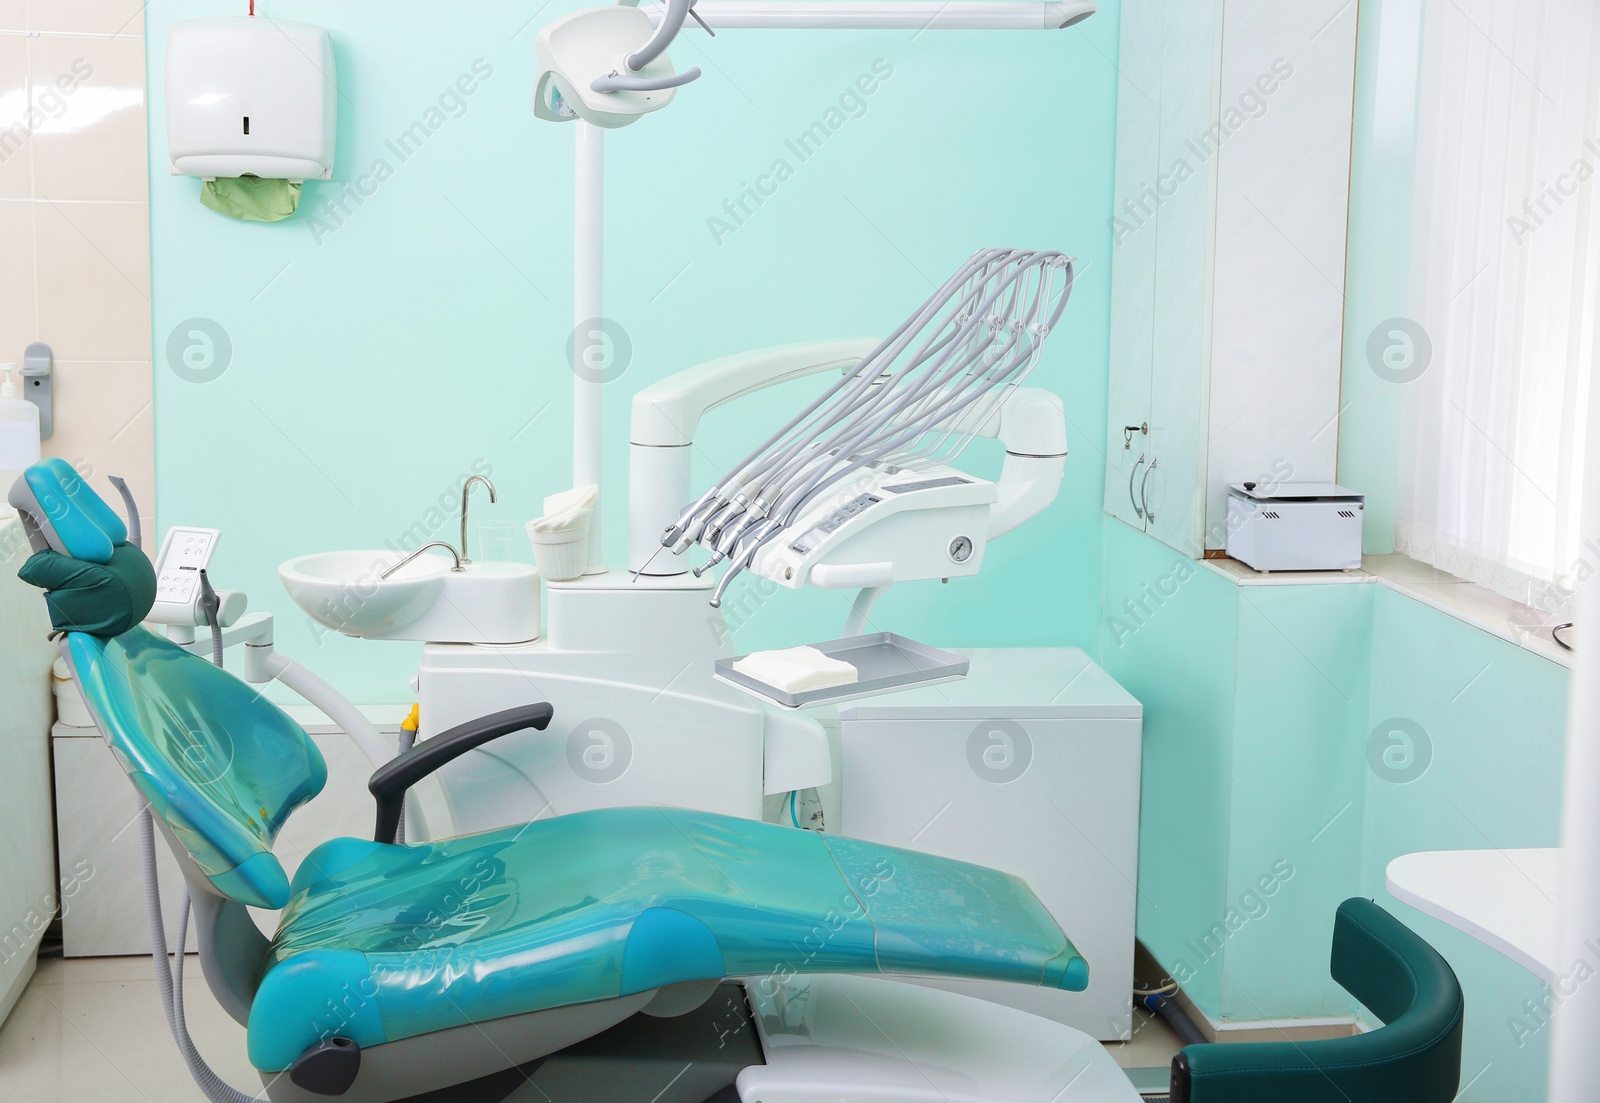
413 719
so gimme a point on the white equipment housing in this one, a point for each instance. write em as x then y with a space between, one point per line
1295 526
250 96
1008 769
185 552
885 526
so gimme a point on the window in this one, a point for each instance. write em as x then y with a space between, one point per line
1505 287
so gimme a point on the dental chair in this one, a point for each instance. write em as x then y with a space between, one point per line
399 972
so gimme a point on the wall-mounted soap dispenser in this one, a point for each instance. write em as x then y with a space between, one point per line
250 96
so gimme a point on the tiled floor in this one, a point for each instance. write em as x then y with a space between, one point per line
92 1029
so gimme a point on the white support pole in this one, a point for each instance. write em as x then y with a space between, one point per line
588 310
1574 1054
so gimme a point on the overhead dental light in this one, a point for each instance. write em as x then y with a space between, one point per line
608 66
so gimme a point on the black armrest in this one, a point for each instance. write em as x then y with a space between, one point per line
390 782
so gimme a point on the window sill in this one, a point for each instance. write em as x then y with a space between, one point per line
1468 602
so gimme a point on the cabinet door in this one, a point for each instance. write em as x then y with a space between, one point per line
1135 218
1180 361
1059 808
1283 190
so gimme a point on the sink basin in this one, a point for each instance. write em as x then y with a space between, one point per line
424 600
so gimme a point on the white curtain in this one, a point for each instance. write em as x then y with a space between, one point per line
1505 283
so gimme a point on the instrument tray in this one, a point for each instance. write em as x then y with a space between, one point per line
883 662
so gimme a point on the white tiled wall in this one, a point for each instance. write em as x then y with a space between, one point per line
75 224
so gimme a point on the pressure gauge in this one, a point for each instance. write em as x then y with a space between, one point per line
961 549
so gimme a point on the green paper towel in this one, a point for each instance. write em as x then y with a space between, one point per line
252 198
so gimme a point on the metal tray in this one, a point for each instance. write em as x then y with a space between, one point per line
883 661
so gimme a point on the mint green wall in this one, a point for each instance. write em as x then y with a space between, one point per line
1255 704
1299 769
1496 720
374 365
1168 637
1267 800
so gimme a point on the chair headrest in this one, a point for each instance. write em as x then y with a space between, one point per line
60 508
95 580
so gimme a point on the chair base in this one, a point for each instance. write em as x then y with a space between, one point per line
692 1058
446 1060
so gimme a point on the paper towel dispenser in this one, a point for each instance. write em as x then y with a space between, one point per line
250 96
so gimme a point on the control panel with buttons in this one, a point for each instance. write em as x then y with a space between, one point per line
184 554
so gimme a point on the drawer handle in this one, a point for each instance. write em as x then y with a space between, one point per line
1131 476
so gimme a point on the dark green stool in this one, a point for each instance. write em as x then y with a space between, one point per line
1414 1058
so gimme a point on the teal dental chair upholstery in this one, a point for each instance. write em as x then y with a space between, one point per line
403 969
1414 1057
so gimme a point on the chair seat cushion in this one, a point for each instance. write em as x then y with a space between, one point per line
382 942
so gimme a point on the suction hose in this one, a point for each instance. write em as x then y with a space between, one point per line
1176 1018
1161 1003
171 988
169 980
211 606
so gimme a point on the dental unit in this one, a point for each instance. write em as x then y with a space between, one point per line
1006 633
571 897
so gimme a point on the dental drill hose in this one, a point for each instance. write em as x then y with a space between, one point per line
980 335
170 987
211 606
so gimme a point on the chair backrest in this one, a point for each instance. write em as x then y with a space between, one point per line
1408 985
1415 1056
219 764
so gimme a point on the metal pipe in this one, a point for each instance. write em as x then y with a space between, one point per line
949 15
466 490
445 544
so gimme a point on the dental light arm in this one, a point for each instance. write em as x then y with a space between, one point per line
389 784
1032 426
916 15
667 414
671 22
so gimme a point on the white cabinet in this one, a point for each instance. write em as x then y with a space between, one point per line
97 839
29 894
1030 765
1228 241
103 902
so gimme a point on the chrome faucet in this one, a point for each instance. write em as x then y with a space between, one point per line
445 544
466 489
